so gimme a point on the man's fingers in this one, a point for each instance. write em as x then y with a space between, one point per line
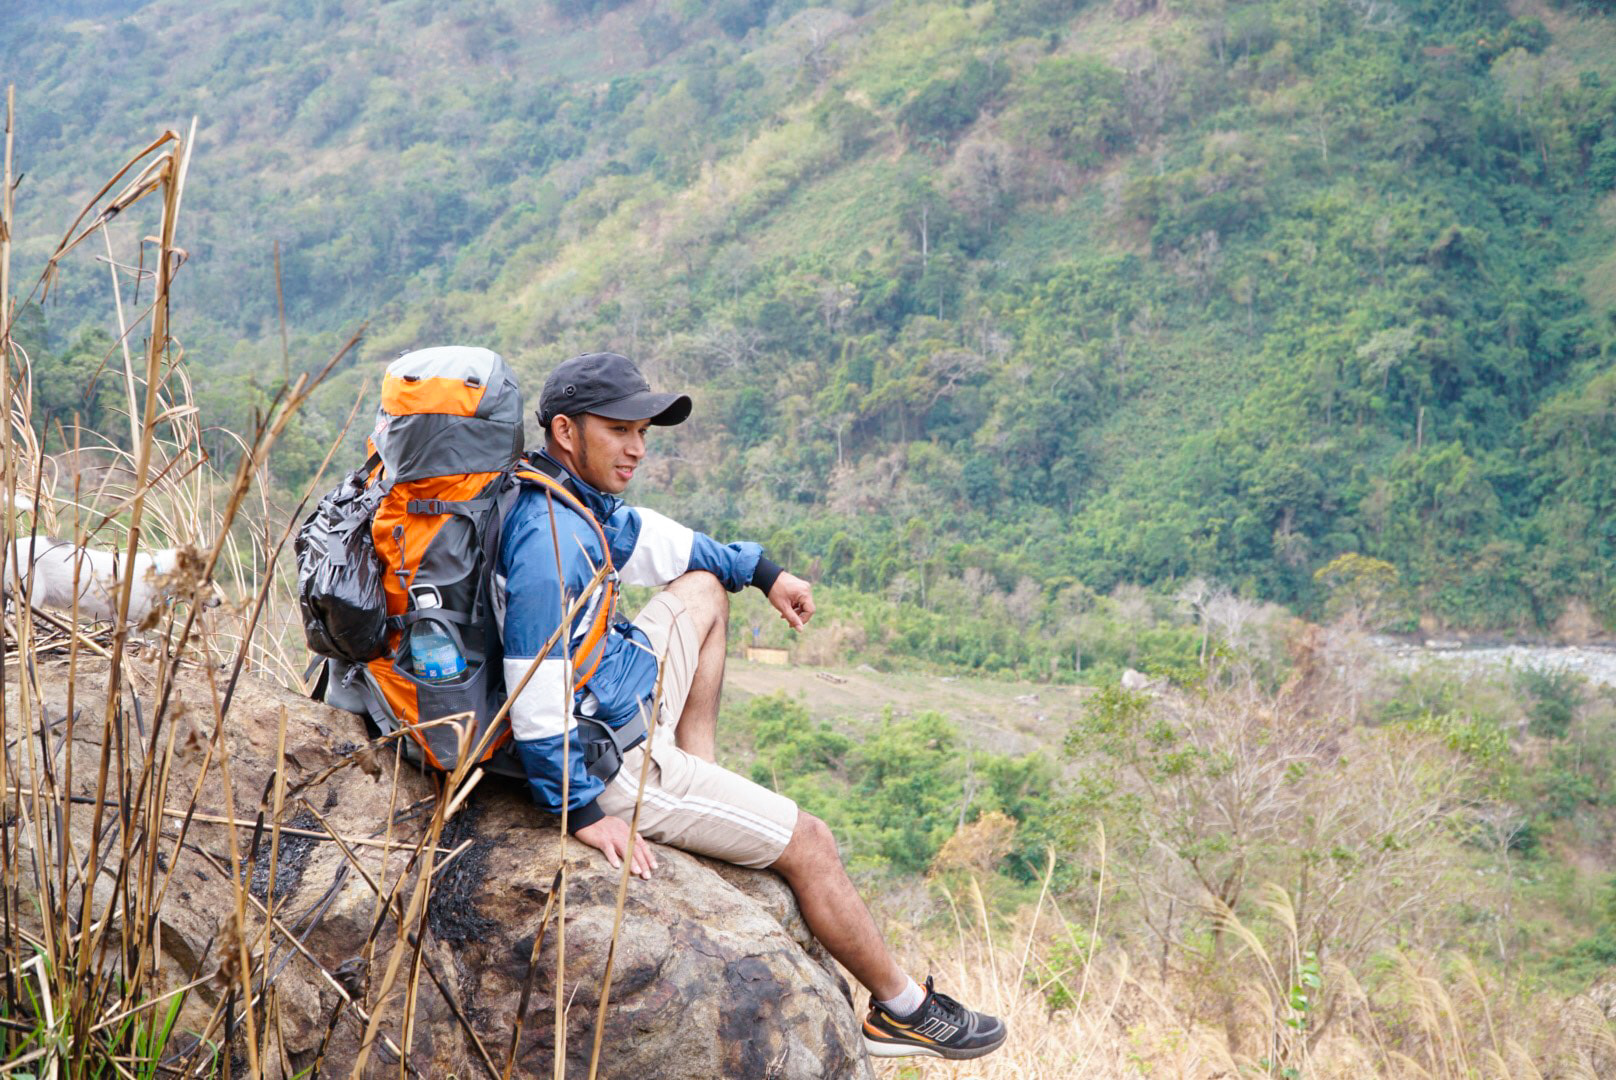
642 858
787 607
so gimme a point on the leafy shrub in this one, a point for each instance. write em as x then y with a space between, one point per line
1556 694
1074 107
1029 18
1602 164
947 104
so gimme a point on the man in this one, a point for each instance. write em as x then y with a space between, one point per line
595 410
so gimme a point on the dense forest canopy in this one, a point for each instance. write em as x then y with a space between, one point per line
988 307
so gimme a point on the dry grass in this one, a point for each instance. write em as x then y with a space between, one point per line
83 992
1406 1017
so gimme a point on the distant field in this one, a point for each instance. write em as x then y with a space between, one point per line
1007 716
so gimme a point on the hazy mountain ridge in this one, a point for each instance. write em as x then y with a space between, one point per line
1072 293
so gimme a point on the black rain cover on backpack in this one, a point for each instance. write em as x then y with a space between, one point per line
339 577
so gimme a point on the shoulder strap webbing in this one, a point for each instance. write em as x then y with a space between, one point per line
586 652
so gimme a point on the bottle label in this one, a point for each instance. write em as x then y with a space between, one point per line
435 657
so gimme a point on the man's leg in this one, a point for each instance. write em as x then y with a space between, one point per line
707 606
694 804
810 863
834 910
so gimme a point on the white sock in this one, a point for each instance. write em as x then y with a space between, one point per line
906 1002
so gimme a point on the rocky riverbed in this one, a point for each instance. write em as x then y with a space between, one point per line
1597 663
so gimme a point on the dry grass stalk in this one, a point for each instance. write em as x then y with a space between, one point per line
628 866
89 953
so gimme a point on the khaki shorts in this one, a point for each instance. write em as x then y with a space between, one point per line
690 803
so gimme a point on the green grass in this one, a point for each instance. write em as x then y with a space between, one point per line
853 208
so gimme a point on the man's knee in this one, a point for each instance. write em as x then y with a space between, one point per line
702 593
812 845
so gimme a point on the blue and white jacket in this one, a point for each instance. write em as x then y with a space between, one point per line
647 548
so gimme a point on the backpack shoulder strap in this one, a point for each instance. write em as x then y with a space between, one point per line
560 490
587 654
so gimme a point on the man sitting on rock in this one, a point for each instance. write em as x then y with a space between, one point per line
595 410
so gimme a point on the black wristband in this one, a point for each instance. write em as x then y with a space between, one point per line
585 816
766 574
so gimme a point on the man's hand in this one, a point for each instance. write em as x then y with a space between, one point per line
610 836
793 598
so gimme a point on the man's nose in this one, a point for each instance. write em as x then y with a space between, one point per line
636 445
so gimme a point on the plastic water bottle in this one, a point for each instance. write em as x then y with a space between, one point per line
434 654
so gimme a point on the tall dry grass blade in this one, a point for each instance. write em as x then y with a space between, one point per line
1099 901
113 734
239 927
527 979
1037 912
123 336
980 903
628 866
414 910
565 638
1521 1066
1472 978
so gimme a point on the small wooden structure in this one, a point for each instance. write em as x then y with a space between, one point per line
759 655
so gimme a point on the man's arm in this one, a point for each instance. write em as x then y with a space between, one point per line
650 548
541 714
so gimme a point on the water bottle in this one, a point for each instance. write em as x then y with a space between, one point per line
433 653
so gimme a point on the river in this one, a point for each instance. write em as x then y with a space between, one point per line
1596 663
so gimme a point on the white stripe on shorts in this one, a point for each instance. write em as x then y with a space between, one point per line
704 806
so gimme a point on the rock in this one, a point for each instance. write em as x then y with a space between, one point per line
715 973
1135 681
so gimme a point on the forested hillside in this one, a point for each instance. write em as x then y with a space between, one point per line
989 307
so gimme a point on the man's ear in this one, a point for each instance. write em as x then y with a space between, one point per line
563 433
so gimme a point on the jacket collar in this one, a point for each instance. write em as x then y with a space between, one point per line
599 503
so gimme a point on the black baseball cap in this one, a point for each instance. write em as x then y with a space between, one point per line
609 385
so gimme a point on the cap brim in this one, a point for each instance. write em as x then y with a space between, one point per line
663 409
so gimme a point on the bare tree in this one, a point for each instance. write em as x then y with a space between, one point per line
983 177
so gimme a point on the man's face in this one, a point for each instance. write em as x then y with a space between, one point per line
603 452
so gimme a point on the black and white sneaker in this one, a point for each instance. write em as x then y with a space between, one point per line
941 1027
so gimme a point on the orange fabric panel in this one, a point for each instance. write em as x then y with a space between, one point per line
400 695
419 529
401 698
450 396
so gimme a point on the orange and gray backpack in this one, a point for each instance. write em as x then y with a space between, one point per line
396 566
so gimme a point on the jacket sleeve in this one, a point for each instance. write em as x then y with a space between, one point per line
541 714
649 548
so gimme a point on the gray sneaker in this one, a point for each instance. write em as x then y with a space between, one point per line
941 1027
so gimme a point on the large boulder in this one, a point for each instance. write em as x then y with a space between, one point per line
715 974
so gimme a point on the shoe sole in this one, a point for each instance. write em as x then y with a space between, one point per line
905 1049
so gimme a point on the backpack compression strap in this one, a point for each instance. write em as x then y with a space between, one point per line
554 489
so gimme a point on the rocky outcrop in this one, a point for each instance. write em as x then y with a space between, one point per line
715 973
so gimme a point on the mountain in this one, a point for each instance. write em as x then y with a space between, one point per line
1012 301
